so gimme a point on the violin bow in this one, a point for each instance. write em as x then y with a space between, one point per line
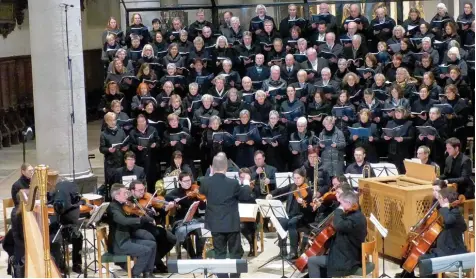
151 198
278 196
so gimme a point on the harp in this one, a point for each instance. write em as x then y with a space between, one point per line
38 261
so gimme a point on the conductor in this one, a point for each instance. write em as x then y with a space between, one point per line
222 217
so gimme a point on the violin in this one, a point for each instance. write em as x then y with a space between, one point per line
301 193
193 192
155 202
326 198
133 208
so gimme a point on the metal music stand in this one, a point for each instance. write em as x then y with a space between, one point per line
283 179
127 179
188 224
232 175
384 169
170 183
95 218
353 179
275 209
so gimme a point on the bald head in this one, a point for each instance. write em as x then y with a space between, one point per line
220 163
355 10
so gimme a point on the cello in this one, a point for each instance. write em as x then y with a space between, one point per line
421 237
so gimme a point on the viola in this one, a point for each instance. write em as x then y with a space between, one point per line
421 237
155 202
193 192
325 199
301 193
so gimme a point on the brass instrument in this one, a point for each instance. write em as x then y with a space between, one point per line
366 171
159 185
264 188
437 171
316 177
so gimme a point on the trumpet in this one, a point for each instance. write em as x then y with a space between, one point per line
366 171
264 188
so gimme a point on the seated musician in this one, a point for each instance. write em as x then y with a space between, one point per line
423 153
183 198
120 240
165 240
298 209
345 250
261 172
458 169
324 180
357 167
450 240
248 229
129 170
178 164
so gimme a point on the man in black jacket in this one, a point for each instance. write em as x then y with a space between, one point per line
458 169
23 182
121 242
345 249
262 171
222 217
130 171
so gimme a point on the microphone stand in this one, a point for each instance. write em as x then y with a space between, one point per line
70 71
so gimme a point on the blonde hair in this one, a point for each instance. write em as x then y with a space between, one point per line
109 116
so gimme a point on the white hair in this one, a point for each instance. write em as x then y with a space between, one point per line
207 97
301 120
357 37
221 38
260 93
275 68
455 51
227 61
442 6
398 27
235 19
300 40
435 110
427 40
273 112
310 51
325 70
260 6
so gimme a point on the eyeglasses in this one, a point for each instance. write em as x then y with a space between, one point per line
186 180
140 190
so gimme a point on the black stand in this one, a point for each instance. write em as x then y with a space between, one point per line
281 256
384 275
28 131
93 245
63 250
70 71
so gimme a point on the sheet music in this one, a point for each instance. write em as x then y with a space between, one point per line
382 230
283 179
126 180
248 211
97 214
191 212
353 179
384 169
170 182
232 175
282 233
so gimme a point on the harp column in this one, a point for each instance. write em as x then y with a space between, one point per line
60 143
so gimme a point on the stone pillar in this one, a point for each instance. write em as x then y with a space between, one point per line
51 87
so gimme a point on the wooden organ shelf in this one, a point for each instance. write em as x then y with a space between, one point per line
398 202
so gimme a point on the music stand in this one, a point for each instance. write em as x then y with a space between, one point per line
188 224
170 183
383 232
353 179
283 179
95 218
275 209
127 179
232 175
208 266
384 169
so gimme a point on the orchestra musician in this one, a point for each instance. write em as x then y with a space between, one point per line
324 180
458 168
357 167
164 239
248 229
182 198
345 249
262 173
450 240
129 170
222 217
298 209
122 242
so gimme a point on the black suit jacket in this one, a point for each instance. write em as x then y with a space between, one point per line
120 226
450 240
253 74
290 77
270 172
458 170
223 195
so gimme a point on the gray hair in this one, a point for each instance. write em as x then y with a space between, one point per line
215 118
301 40
207 97
328 119
221 38
275 68
453 43
442 6
350 197
398 27
260 6
244 112
235 19
220 162
193 85
357 37
227 61
311 50
435 110
115 189
273 113
260 93
171 66
426 39
325 70
183 32
198 39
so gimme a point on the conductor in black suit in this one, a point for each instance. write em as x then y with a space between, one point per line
222 217
458 169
